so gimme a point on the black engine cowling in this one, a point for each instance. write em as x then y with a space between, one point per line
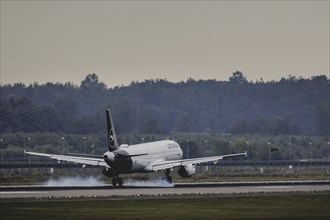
187 171
108 172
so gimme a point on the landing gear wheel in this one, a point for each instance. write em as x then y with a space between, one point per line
117 181
168 178
114 181
120 181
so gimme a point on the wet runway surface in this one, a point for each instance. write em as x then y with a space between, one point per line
175 189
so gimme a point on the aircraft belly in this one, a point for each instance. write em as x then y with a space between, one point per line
122 162
139 168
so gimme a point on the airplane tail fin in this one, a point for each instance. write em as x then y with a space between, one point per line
112 139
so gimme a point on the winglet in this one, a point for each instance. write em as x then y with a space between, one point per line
245 154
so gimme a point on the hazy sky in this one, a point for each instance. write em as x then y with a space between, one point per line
63 41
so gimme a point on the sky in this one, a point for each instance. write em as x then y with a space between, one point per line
125 41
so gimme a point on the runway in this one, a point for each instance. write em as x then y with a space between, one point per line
168 190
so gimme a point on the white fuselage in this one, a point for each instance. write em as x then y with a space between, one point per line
143 155
160 150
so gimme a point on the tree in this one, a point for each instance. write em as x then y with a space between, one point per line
240 127
222 147
292 105
183 123
322 118
150 126
238 78
190 149
91 81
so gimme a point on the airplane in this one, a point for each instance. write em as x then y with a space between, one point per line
164 155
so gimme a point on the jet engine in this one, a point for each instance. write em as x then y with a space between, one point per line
108 172
187 171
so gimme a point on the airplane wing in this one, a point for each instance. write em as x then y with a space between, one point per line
84 160
162 165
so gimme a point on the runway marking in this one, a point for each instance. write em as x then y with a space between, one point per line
275 187
22 192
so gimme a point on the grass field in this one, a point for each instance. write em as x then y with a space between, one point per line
310 206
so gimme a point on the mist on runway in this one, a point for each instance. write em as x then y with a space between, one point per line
97 181
147 183
75 181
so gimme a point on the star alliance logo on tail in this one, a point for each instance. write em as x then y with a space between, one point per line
112 138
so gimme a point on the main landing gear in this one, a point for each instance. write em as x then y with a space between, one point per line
117 181
168 178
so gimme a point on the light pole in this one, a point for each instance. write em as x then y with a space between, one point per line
248 155
268 152
1 149
63 139
329 154
187 149
29 140
84 144
206 167
290 152
310 155
92 146
230 150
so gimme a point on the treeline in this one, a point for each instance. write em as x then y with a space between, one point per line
288 106
259 147
274 126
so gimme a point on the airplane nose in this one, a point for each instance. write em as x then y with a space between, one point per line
109 157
